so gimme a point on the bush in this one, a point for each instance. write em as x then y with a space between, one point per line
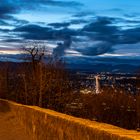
111 107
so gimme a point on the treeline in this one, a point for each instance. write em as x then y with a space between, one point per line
43 86
49 86
37 81
113 107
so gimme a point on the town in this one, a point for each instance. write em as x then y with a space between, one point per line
95 83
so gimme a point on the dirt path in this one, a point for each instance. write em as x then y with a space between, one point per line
10 128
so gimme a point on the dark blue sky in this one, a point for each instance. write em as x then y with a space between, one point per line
87 31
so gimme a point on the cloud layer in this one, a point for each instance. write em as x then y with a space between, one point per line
83 34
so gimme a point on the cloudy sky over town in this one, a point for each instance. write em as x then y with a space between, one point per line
81 31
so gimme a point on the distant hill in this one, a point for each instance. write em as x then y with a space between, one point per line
124 68
89 68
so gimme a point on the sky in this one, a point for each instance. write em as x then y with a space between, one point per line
80 31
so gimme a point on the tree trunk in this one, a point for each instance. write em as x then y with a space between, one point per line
40 85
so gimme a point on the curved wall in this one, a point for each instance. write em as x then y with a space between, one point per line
44 124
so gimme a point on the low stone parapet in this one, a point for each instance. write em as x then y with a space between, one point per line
44 124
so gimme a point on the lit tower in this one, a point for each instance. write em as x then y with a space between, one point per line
97 84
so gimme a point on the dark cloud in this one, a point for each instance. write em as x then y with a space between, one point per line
5 30
132 15
78 21
10 7
101 25
61 47
6 7
68 23
14 6
11 21
102 29
31 28
98 49
59 3
18 22
13 40
130 36
37 32
62 3
2 22
83 14
94 48
59 25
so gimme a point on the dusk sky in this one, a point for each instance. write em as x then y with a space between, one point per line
81 31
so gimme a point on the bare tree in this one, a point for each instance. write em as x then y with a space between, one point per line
35 52
48 79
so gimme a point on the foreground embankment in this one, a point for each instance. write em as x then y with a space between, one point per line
44 124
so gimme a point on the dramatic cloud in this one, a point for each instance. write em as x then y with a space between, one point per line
61 3
94 39
83 14
103 26
61 47
37 32
13 6
10 8
6 7
94 48
88 31
59 25
2 22
130 36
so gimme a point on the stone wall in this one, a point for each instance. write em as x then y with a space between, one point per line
44 124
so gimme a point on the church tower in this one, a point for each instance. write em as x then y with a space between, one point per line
97 87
